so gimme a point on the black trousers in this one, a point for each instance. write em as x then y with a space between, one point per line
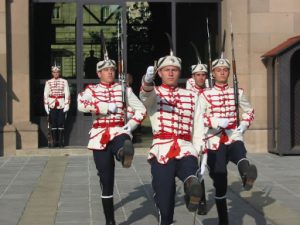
164 186
105 163
57 118
217 161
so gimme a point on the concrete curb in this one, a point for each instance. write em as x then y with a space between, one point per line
67 152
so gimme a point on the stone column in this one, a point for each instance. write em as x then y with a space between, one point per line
27 133
7 131
250 70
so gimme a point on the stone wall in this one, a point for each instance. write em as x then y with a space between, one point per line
259 25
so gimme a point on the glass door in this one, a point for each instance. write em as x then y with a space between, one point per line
96 18
52 41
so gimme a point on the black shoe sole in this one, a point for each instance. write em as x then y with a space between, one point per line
250 177
194 196
128 151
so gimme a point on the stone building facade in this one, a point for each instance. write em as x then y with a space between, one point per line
258 25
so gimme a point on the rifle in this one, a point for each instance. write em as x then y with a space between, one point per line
210 77
49 135
234 77
121 75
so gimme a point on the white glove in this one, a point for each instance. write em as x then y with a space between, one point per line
241 129
47 109
87 96
223 122
66 108
149 77
126 129
112 107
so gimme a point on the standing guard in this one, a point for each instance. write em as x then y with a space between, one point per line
197 84
224 138
57 104
172 111
110 137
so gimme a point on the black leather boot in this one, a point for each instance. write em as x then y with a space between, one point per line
126 154
61 138
193 193
54 133
108 208
248 173
222 211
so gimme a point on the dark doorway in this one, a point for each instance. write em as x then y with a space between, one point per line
189 29
52 41
295 99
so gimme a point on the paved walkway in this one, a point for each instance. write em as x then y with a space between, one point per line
64 190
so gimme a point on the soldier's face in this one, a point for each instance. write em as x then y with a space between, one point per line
199 78
169 75
107 75
55 74
221 74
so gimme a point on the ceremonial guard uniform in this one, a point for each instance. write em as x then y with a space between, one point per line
57 104
190 84
197 84
172 111
224 139
110 137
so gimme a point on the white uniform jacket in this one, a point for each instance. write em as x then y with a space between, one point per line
95 99
177 124
190 83
57 93
218 102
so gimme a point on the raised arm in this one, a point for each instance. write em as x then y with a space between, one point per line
138 109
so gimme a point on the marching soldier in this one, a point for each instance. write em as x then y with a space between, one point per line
197 84
57 104
172 110
224 139
110 137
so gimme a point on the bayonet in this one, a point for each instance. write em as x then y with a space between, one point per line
210 77
234 77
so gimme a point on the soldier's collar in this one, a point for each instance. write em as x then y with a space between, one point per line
106 84
199 88
221 87
169 88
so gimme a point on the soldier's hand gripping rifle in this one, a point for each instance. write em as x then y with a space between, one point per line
234 78
210 76
121 75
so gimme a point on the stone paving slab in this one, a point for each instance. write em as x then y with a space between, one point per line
79 202
41 207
